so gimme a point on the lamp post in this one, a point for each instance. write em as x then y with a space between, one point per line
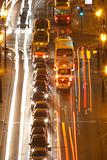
5 15
1 40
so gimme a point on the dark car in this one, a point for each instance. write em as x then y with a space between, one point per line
40 71
41 104
41 114
38 123
38 59
41 24
38 155
43 89
38 130
40 76
37 96
39 83
39 65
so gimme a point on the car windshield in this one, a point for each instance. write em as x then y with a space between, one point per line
64 52
41 24
38 153
40 37
38 142
40 114
64 71
65 80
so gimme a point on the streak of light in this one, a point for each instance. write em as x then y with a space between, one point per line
12 108
58 139
71 143
10 12
65 141
84 77
90 89
23 104
79 102
75 136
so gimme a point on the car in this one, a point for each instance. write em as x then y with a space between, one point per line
39 65
38 142
40 71
40 76
41 52
42 114
38 130
38 155
37 96
38 59
38 123
41 24
40 38
41 104
39 83
43 89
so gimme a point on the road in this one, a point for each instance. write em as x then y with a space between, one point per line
73 134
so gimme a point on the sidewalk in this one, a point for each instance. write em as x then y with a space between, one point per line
5 76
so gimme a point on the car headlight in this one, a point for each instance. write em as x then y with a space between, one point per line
32 150
45 159
46 95
32 102
46 120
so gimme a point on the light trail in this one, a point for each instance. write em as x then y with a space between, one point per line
84 77
58 140
71 143
79 101
90 88
24 93
65 141
75 136
10 12
12 108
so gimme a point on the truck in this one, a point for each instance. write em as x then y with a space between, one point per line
64 50
62 11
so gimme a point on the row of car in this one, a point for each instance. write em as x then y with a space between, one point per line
40 37
40 111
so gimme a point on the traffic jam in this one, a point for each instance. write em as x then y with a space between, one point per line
63 68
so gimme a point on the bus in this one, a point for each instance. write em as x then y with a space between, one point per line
64 50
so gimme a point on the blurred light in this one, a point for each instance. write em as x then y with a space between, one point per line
105 69
46 120
1 37
103 37
68 18
46 95
98 13
78 7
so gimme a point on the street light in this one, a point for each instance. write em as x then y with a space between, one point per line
98 13
103 37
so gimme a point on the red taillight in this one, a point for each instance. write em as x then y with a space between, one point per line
56 18
68 18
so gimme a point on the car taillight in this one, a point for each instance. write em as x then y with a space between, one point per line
56 18
68 18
